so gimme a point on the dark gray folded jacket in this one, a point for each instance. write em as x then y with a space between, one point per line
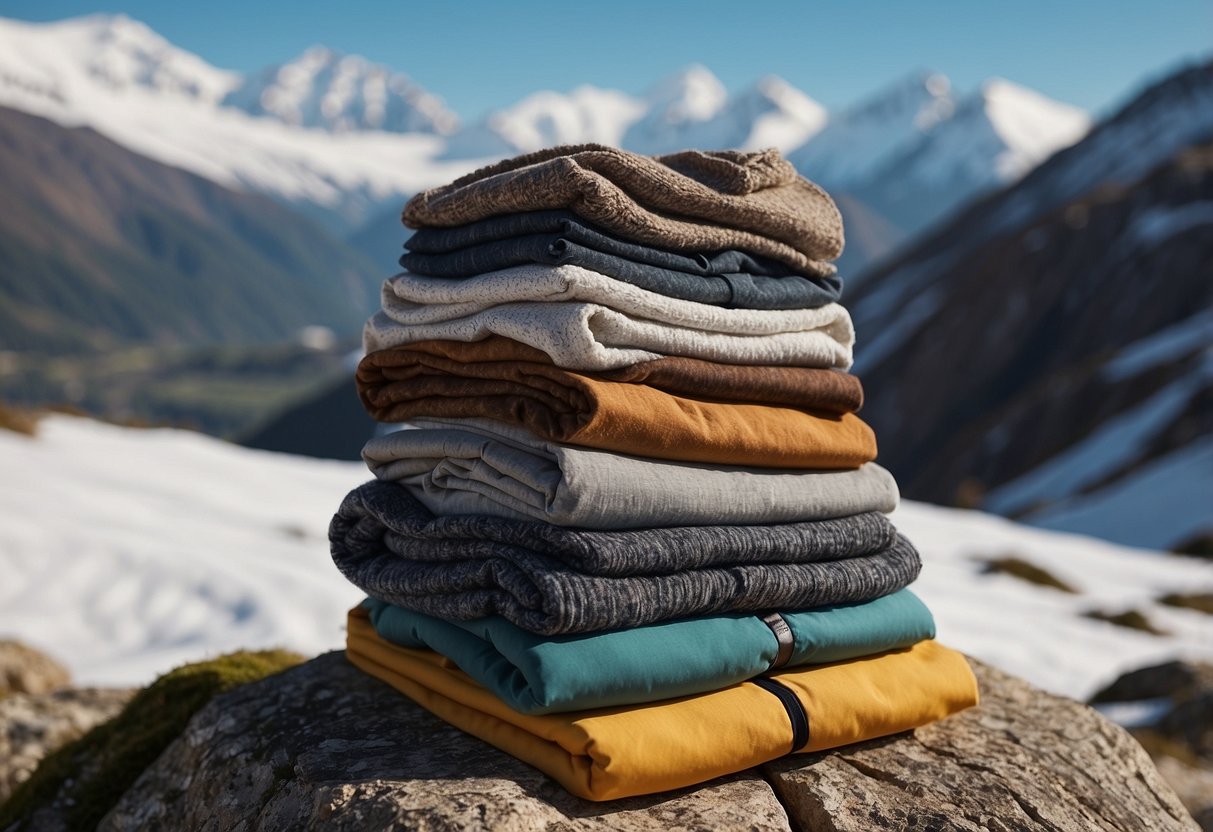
550 579
724 278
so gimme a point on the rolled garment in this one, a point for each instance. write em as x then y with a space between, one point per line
588 336
550 579
386 377
635 419
609 753
417 299
474 466
689 201
551 674
558 238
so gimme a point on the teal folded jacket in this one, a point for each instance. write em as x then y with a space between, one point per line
537 675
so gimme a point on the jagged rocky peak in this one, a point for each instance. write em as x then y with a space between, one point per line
330 90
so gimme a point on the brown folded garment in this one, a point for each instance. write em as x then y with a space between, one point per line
623 410
387 377
689 201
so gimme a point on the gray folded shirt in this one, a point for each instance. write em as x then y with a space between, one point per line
477 466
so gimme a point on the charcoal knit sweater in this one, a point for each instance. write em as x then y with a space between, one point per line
549 579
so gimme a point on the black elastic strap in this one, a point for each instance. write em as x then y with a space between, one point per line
796 712
783 635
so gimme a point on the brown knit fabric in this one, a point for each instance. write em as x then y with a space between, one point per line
388 376
564 406
689 201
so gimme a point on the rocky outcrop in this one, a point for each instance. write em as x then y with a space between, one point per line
32 725
325 746
26 670
1179 731
38 714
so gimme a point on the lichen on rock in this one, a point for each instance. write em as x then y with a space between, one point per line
75 786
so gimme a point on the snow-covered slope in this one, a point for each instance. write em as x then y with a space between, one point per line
688 109
916 152
992 138
65 59
326 89
866 137
120 78
692 109
126 551
1060 370
544 119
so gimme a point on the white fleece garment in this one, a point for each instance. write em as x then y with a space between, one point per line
593 336
419 299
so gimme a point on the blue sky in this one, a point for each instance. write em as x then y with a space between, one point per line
480 55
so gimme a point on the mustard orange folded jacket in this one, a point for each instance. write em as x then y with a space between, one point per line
507 382
505 368
609 753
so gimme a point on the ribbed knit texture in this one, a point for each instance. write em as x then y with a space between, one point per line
548 579
690 201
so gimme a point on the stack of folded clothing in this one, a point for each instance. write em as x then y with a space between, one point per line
632 532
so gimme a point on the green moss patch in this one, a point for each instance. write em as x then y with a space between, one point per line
1019 568
88 776
1130 619
1199 601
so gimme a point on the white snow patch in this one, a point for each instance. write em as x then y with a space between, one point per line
1041 634
127 552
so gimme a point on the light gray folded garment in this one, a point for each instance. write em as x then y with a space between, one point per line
588 336
418 299
477 466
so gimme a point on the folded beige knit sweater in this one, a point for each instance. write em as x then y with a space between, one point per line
688 201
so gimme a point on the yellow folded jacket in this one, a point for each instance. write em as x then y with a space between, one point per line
609 753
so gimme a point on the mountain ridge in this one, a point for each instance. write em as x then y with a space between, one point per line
1066 316
112 248
343 140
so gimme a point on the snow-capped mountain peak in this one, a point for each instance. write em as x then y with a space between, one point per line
916 151
772 113
61 60
866 136
692 109
332 91
547 118
693 94
1030 125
